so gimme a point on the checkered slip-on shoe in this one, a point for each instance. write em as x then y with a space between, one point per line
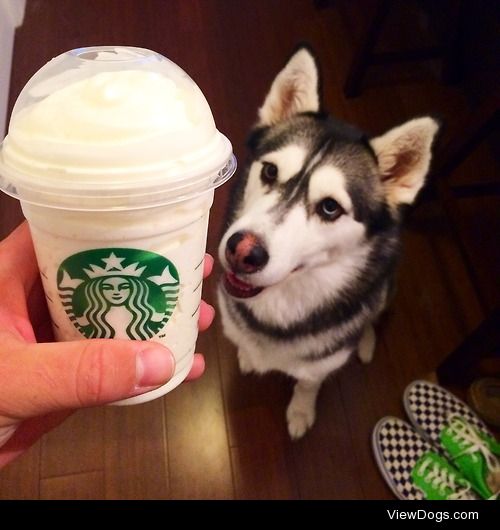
462 437
411 467
429 406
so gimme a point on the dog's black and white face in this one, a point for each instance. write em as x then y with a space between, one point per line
316 190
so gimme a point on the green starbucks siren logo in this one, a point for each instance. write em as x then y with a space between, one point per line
118 292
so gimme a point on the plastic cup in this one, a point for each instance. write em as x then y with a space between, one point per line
114 155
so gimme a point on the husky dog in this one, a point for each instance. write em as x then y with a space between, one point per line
313 235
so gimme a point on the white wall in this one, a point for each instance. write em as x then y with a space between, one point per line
11 16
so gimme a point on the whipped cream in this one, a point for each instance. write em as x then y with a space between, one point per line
116 123
90 133
113 107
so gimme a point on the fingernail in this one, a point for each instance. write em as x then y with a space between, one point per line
155 365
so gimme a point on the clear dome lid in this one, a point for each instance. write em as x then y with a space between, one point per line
112 127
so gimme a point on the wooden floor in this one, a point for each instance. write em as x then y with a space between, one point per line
224 436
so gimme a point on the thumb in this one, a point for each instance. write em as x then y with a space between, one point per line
40 378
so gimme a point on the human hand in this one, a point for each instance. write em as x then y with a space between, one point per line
43 382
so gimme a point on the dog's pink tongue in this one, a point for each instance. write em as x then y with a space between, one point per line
237 282
238 288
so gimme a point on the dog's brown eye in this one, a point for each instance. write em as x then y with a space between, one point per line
329 209
269 173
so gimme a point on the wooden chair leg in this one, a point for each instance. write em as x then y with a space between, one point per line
474 129
362 56
452 69
469 133
460 367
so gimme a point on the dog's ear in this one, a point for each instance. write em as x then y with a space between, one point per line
295 89
404 156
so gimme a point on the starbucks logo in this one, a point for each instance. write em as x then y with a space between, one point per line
118 292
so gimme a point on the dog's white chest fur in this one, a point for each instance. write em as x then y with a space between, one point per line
260 354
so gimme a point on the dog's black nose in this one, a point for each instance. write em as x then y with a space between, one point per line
232 242
246 253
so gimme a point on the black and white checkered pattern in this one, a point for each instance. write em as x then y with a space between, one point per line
397 447
428 407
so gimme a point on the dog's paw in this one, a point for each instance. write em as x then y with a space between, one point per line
300 418
366 347
244 364
298 424
365 356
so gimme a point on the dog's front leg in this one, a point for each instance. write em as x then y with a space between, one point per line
246 366
301 411
367 343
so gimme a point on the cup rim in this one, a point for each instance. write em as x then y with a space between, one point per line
161 195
